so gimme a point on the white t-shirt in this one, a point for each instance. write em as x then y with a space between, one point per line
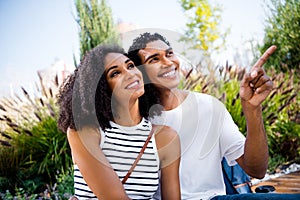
207 134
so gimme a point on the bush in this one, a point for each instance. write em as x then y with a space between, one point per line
282 29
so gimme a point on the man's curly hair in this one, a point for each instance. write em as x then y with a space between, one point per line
140 43
133 53
85 97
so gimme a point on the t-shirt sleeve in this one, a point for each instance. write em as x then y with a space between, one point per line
231 139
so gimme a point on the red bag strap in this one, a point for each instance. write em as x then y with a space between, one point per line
138 157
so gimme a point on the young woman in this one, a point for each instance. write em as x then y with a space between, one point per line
104 111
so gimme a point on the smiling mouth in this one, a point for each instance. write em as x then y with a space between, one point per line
133 85
169 74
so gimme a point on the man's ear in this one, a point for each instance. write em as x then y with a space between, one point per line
142 54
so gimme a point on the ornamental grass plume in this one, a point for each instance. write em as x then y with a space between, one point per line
32 149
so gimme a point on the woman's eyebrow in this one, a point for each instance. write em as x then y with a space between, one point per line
116 66
111 68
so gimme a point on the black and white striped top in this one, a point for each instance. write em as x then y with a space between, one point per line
121 145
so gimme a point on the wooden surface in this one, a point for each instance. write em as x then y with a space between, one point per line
288 183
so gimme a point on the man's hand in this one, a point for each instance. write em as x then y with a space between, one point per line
256 85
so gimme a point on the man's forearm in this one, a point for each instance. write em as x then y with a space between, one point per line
255 158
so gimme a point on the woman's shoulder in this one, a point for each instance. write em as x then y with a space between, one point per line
85 134
164 134
163 128
71 133
168 145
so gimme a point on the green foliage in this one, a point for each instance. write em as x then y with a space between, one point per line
96 24
65 183
282 118
202 27
33 150
283 30
35 158
281 110
20 194
63 189
283 104
285 140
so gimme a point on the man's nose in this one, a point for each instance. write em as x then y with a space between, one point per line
166 61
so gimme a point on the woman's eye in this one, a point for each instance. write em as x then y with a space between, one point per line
113 74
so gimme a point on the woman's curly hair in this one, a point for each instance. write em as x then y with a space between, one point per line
85 97
64 101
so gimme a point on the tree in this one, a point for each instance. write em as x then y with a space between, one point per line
202 27
283 29
96 24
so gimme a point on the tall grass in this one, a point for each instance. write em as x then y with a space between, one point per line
33 152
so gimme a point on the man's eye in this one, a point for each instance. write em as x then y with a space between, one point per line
153 60
170 53
131 66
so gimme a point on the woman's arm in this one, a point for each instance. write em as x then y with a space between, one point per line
168 145
93 165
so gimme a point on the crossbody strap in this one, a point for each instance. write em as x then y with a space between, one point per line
138 157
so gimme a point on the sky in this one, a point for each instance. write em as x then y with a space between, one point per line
34 34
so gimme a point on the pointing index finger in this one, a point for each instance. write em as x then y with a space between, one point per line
264 57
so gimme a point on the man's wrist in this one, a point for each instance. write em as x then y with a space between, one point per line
247 105
250 110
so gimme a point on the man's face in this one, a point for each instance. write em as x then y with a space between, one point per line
161 64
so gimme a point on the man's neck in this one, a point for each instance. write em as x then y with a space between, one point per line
172 98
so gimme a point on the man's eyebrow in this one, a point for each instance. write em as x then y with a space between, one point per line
153 55
156 54
169 49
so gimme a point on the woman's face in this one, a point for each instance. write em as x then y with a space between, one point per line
124 79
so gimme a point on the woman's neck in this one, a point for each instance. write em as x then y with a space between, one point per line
127 114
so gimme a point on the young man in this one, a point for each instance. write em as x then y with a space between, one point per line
206 129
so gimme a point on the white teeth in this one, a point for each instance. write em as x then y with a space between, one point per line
171 73
132 84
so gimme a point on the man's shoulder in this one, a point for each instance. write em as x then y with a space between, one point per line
203 96
205 101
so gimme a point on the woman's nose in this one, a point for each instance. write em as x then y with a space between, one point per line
129 73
